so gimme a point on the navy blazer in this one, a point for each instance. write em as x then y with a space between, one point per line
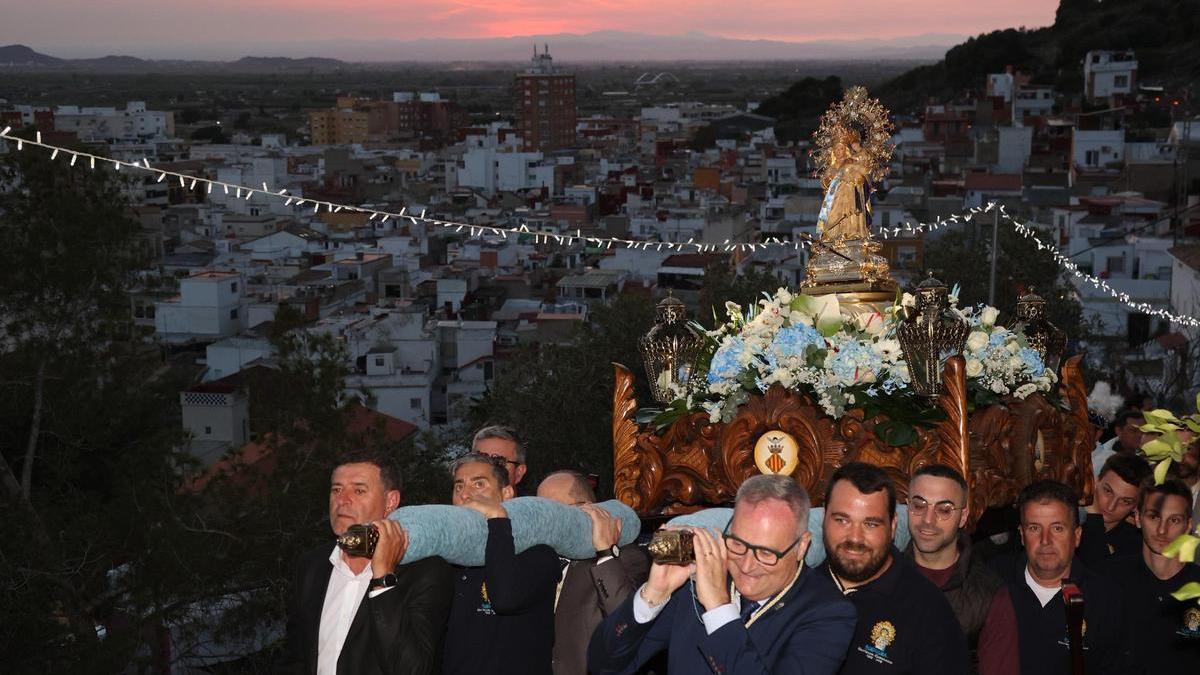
806 633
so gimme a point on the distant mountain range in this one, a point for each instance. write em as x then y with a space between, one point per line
602 46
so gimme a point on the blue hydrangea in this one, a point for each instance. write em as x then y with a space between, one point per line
852 358
996 339
1033 361
725 365
794 340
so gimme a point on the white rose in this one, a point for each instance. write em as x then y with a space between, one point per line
988 316
1025 390
907 300
977 340
1015 363
1012 347
783 296
974 367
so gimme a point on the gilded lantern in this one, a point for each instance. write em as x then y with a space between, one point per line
929 334
1048 340
670 351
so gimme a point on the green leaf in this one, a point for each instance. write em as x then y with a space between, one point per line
1160 416
1188 591
896 433
1184 548
1163 447
1160 470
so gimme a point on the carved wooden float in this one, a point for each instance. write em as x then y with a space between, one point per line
694 463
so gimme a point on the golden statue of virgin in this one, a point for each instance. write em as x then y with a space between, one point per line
852 151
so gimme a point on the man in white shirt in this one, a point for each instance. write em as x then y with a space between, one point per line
353 614
1050 532
1127 441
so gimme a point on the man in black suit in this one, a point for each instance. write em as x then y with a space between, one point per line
502 614
591 589
366 615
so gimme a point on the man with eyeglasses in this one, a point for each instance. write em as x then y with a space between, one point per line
746 606
904 623
941 551
504 442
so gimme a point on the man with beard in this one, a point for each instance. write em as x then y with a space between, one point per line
904 623
1106 532
1050 533
941 551
1165 637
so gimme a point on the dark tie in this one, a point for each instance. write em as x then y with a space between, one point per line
748 607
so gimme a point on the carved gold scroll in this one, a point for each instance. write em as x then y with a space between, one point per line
694 463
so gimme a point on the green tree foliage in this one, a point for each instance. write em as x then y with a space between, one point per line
560 395
84 415
964 257
722 284
797 109
110 526
1164 33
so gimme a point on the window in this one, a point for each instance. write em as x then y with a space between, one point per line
1120 80
207 431
414 403
233 313
1115 263
233 287
1091 158
379 361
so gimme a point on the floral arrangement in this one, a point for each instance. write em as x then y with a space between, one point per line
804 343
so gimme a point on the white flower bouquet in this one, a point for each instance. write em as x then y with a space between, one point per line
804 343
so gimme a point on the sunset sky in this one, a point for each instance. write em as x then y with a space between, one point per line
153 28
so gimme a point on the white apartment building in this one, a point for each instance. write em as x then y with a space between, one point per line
109 124
1097 149
208 307
1109 73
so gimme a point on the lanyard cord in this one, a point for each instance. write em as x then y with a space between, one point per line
735 598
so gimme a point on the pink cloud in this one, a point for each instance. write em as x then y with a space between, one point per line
115 23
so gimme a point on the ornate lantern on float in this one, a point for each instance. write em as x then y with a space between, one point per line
929 334
670 350
1048 340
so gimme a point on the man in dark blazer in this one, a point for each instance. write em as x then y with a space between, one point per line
366 615
752 608
589 590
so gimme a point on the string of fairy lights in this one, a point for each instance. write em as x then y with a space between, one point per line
543 236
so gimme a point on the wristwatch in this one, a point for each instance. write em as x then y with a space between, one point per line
615 552
385 581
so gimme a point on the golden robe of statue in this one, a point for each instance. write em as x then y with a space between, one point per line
846 209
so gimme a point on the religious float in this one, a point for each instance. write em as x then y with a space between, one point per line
850 368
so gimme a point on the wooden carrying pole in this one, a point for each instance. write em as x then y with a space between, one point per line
1073 599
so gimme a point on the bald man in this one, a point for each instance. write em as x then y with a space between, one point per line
589 589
